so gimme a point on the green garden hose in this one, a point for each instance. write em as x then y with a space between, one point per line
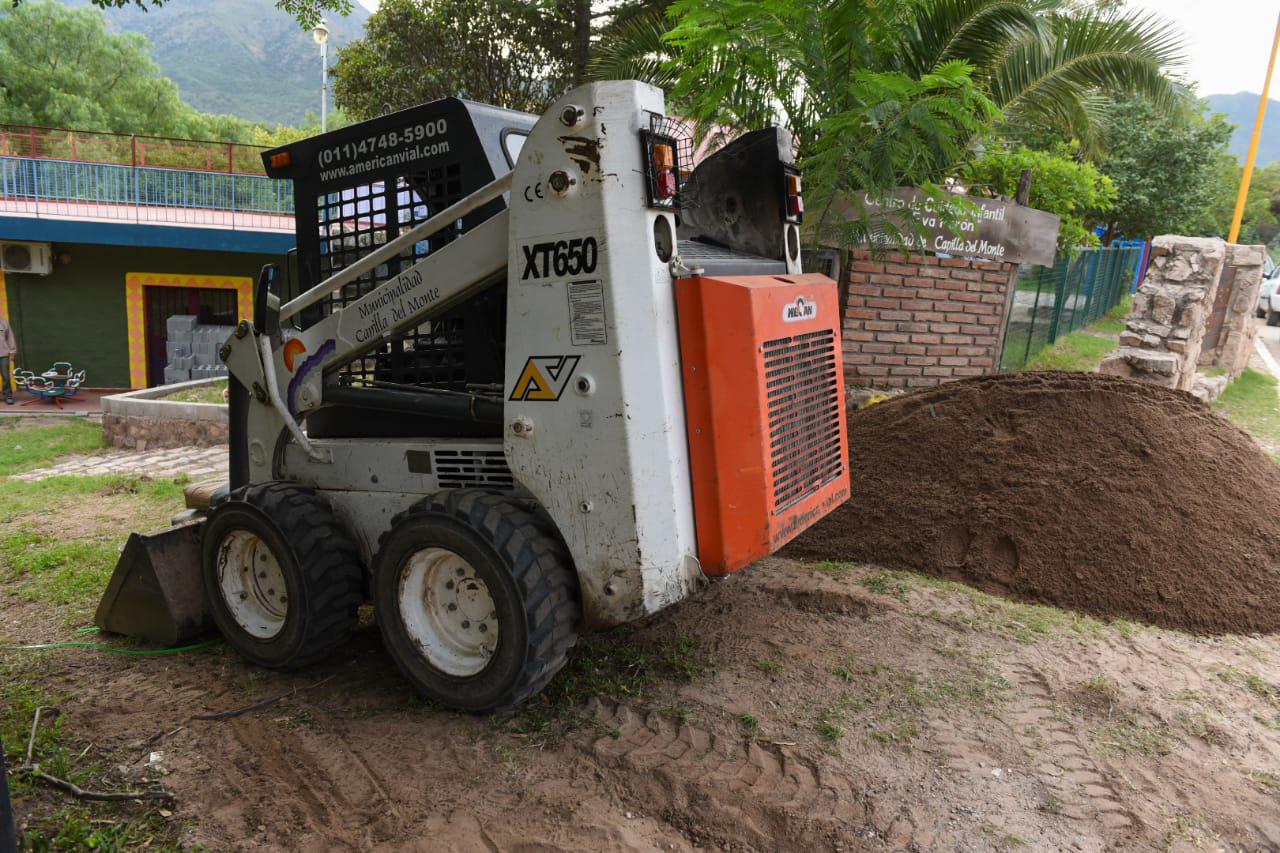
177 650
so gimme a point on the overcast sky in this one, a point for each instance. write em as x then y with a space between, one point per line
1228 41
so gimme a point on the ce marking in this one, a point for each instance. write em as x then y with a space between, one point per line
534 189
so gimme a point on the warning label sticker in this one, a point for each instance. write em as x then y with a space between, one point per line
586 313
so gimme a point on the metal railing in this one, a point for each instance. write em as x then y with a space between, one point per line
121 149
1050 302
58 189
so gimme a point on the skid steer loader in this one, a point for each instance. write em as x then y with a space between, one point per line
522 376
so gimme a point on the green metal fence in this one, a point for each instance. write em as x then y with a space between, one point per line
1050 302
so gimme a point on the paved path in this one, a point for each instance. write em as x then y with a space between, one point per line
1270 337
199 463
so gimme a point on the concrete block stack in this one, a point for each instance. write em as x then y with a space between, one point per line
192 349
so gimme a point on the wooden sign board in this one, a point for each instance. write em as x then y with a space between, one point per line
1003 230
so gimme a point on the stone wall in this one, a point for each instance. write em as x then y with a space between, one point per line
1165 331
1231 330
143 433
145 420
922 320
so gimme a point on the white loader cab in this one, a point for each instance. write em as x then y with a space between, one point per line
523 377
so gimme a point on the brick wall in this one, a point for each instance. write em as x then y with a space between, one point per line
922 320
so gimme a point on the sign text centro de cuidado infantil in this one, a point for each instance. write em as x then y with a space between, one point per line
1003 230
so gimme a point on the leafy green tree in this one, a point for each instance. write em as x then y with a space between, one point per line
1165 170
1261 220
1061 183
727 60
520 54
61 67
283 134
503 52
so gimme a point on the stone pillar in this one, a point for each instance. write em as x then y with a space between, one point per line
1164 332
1230 332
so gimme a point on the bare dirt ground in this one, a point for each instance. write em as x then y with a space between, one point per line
795 707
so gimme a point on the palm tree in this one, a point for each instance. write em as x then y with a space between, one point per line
735 62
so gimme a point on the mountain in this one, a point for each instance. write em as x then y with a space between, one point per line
243 57
1241 109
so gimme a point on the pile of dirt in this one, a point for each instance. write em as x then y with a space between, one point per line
1104 495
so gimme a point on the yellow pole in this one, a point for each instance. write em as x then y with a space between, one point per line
1253 143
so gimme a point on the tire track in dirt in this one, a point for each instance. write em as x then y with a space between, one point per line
1062 762
768 796
332 793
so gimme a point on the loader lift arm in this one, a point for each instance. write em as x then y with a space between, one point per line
436 283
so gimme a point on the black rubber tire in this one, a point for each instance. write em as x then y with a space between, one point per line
320 563
529 575
1273 318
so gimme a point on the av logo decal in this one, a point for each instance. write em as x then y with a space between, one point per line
544 377
799 310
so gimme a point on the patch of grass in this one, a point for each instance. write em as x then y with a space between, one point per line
615 665
18 703
749 724
50 551
1121 310
212 393
1023 621
1251 403
25 447
1081 351
1186 826
833 567
1252 682
1011 840
1051 804
769 665
1199 726
890 702
887 583
1125 734
1268 782
828 729
1101 692
107 828
830 724
681 712
895 731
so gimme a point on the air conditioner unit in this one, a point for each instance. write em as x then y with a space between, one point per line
34 258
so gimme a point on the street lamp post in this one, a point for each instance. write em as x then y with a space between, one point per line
321 36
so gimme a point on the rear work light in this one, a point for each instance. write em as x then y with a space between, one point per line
662 167
793 201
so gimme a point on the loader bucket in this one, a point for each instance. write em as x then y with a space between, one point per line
155 593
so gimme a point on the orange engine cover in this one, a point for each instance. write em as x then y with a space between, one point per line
764 401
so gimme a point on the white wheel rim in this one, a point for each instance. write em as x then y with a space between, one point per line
448 612
252 584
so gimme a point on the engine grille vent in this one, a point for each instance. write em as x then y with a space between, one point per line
473 469
802 379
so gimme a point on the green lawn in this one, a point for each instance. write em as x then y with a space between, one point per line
212 393
59 541
1081 350
24 445
1252 403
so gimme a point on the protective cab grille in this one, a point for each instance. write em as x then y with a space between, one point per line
802 376
472 469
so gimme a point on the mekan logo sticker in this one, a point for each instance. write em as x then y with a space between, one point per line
800 310
544 377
